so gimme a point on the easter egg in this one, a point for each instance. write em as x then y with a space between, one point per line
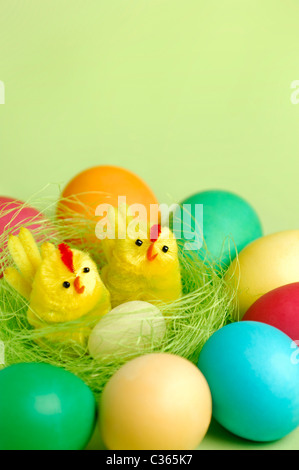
216 224
43 407
14 214
156 401
128 329
253 373
279 308
267 263
103 185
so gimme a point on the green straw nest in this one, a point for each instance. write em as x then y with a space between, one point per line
206 306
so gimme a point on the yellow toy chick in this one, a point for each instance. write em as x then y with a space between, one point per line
142 268
60 284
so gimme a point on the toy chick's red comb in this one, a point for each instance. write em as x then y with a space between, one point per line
67 256
155 232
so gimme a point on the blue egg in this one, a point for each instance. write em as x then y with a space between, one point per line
253 373
219 222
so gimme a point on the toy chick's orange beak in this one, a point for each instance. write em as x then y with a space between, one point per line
78 286
150 255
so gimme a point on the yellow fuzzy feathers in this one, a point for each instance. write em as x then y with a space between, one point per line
141 267
60 284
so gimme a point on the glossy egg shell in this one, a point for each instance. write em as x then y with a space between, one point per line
103 185
229 224
43 407
253 373
267 263
156 401
279 308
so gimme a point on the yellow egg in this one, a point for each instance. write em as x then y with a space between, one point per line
269 262
155 402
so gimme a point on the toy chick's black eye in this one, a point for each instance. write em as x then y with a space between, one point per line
66 285
86 270
139 242
165 249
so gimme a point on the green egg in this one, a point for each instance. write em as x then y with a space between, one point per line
43 407
219 222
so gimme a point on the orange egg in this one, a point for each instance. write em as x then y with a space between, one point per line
103 185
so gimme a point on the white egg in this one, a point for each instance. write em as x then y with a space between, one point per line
128 329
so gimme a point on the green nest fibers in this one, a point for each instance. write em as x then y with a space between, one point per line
206 306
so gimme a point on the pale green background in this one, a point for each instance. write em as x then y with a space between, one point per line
189 94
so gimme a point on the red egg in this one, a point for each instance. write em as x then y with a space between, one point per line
14 214
279 308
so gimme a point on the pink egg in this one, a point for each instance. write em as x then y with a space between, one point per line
13 215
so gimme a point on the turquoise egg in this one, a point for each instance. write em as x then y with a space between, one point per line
43 407
216 224
253 373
